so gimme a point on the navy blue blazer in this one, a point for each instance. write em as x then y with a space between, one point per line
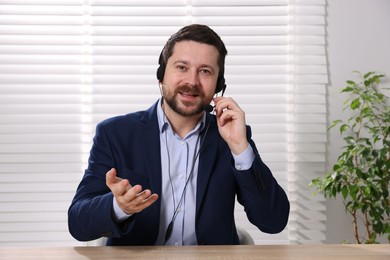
131 144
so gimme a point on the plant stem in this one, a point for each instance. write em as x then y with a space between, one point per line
367 224
355 227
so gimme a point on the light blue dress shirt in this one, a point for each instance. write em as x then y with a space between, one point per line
179 164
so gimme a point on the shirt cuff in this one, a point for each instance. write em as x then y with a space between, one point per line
244 160
119 215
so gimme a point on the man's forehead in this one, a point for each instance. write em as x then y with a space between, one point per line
186 51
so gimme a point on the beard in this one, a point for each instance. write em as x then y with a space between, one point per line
184 109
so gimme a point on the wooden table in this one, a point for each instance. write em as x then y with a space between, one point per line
269 252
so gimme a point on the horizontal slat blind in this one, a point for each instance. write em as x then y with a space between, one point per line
307 129
40 119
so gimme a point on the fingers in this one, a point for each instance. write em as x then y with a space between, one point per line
226 116
223 105
135 200
228 110
110 177
131 199
142 200
118 186
231 123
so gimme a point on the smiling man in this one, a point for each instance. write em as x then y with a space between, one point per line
190 78
170 175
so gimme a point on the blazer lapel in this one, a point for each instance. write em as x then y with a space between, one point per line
207 159
151 149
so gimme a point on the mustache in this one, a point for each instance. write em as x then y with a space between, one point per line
194 90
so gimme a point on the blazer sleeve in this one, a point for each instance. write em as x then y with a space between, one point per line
90 213
264 200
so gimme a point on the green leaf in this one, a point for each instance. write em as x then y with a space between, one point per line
368 74
378 227
350 140
315 182
351 83
344 192
347 89
367 191
367 83
334 123
343 128
364 208
355 104
353 189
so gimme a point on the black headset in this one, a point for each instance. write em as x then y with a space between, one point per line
221 86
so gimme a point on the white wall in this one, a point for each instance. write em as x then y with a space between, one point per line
358 35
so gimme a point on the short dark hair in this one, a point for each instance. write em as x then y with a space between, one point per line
198 33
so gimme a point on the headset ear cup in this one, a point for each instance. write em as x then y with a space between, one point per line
221 86
160 72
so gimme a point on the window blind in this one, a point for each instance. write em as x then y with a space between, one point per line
307 118
40 118
66 65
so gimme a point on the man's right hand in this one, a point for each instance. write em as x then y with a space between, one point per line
131 199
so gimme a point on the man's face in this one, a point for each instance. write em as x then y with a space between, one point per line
190 78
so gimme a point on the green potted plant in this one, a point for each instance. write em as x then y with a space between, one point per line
362 172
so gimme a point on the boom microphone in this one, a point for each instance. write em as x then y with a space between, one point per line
209 108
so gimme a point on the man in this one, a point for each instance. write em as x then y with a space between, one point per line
170 175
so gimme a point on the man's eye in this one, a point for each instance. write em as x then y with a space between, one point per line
205 71
181 68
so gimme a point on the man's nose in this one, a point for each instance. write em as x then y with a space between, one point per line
193 78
